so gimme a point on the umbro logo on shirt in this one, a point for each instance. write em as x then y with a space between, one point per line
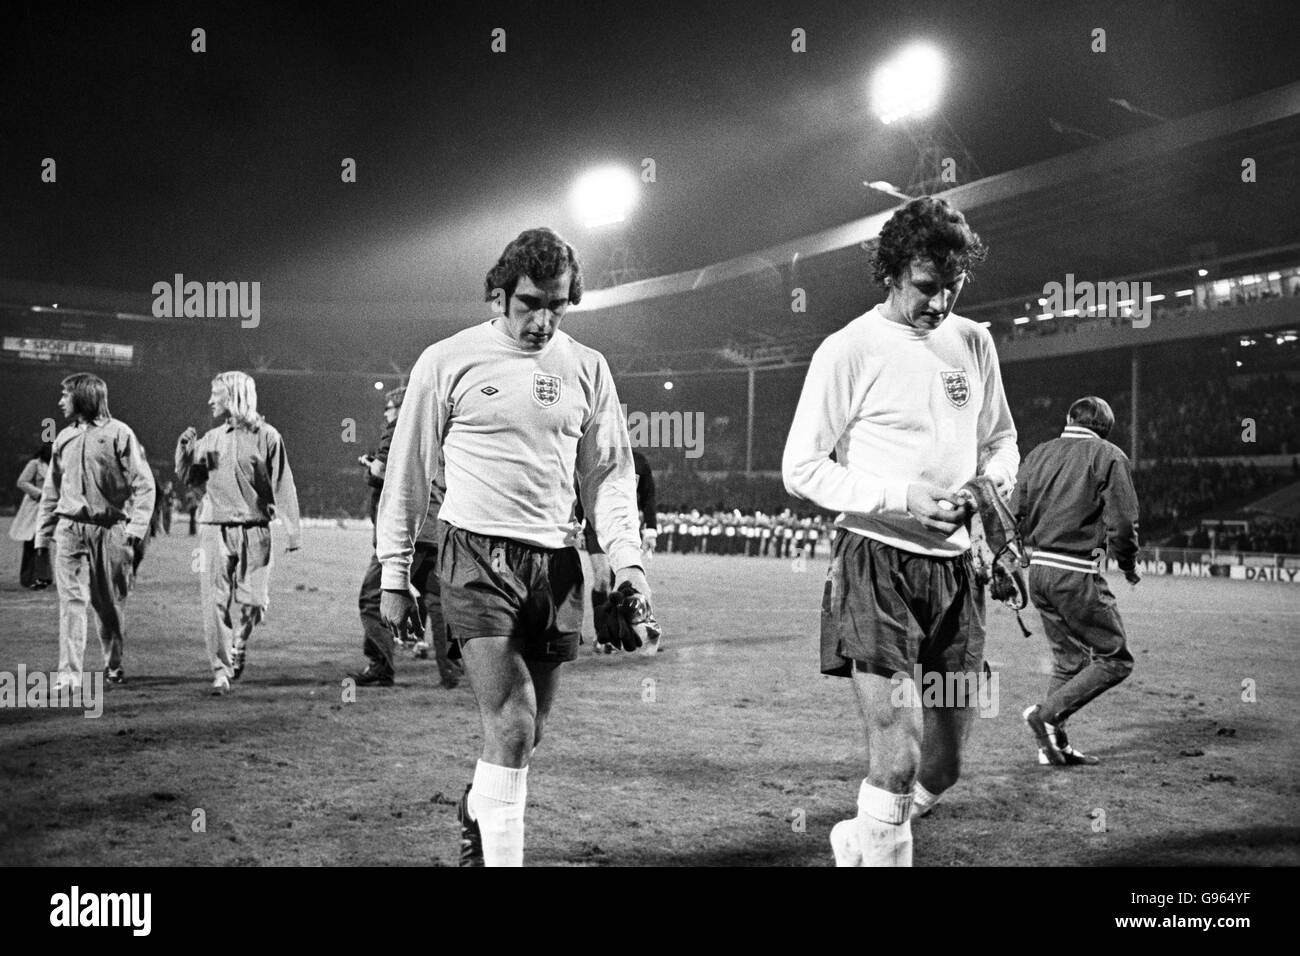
488 390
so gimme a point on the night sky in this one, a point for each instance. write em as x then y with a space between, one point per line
226 164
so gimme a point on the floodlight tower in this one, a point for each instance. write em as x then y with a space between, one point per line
602 198
905 92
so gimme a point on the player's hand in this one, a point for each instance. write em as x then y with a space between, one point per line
188 437
137 551
1002 484
377 468
934 508
649 537
401 613
1132 577
634 576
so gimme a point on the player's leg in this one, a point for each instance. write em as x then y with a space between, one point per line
1098 632
424 578
943 737
602 582
867 630
251 589
893 732
377 640
545 676
952 604
1069 658
110 581
507 703
215 576
72 579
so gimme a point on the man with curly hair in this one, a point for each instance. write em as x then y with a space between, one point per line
517 412
900 408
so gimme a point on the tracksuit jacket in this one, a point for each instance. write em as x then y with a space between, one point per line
1074 495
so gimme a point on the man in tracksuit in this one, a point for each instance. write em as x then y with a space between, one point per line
95 508
1074 501
379 645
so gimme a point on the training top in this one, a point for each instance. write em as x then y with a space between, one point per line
899 405
96 471
515 429
247 475
1075 495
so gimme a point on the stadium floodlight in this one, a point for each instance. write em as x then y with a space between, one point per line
908 85
1156 298
1202 272
1183 293
604 196
889 189
1022 320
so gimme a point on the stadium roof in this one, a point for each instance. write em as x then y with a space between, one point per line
1162 200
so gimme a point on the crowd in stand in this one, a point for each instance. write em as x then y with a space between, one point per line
784 535
1268 536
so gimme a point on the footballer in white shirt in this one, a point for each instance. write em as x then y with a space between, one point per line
521 416
900 408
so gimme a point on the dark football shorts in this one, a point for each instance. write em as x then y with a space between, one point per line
493 587
884 610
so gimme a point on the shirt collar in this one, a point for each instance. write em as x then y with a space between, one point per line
1078 431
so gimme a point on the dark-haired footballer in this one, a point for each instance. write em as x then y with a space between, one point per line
1075 497
518 411
909 399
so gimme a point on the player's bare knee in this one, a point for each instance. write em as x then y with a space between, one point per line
894 768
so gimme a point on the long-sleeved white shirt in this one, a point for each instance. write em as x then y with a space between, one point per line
515 428
899 405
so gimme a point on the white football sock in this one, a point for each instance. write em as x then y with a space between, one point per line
496 804
923 800
884 827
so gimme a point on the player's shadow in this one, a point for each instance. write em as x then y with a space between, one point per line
1250 846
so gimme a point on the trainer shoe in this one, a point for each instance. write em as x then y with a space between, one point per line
471 840
115 675
1047 745
420 651
1073 758
237 657
373 676
220 685
844 843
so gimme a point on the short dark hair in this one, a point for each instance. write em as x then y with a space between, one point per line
539 254
1093 413
89 396
926 228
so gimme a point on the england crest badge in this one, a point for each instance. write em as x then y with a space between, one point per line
546 389
956 386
